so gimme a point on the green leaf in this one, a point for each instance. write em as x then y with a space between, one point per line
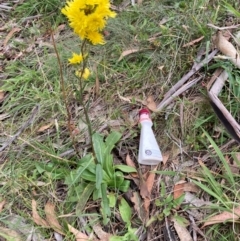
75 192
111 140
82 171
40 169
210 192
168 199
163 189
125 168
99 175
108 165
105 209
181 220
231 9
211 180
52 170
112 200
86 159
84 198
178 201
116 238
118 182
131 234
97 194
99 147
166 211
91 167
125 211
124 186
229 175
88 176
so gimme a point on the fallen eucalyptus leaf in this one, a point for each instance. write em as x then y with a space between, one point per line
224 217
51 218
182 232
36 218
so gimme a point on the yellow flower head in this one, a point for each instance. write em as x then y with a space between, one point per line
85 74
88 18
76 59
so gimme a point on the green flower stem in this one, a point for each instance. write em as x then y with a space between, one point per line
81 91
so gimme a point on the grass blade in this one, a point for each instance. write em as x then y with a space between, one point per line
229 175
88 190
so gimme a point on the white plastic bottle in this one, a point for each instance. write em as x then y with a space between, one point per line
149 152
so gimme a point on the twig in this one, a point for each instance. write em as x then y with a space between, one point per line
223 28
167 101
197 67
5 7
219 81
196 228
225 146
224 115
215 75
23 127
31 17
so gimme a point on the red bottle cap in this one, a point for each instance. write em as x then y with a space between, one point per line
144 111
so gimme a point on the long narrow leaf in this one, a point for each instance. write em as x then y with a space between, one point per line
88 176
125 168
229 175
231 9
108 165
210 192
211 180
125 211
80 170
99 175
88 190
99 147
106 212
111 140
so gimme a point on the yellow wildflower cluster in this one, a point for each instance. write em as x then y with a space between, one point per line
88 18
85 73
76 59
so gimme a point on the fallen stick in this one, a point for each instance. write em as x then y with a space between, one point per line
196 67
225 117
178 92
219 82
223 114
222 148
223 28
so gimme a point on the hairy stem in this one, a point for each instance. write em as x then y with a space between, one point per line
64 93
85 109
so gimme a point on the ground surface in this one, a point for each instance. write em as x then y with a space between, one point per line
48 192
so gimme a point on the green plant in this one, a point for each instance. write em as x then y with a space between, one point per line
222 187
232 9
126 214
96 174
166 202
